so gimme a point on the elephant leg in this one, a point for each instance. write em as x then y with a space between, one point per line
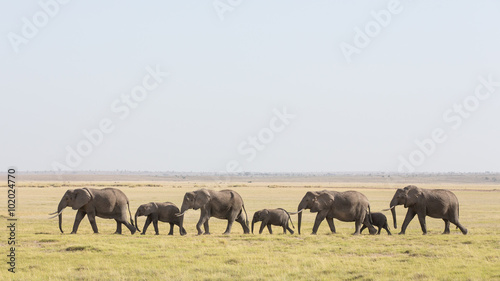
289 229
182 231
243 223
262 225
319 218
331 224
409 216
78 218
366 222
357 225
446 226
421 219
362 228
229 226
155 224
379 229
171 232
146 225
461 227
201 221
118 227
270 228
387 229
206 227
284 229
92 222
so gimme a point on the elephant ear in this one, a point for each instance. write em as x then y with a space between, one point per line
264 214
325 200
150 208
413 196
81 197
201 198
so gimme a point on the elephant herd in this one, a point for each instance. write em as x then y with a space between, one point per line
348 206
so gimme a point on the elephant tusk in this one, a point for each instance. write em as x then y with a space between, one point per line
56 214
53 213
389 208
181 214
296 212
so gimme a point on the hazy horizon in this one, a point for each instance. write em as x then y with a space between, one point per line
251 86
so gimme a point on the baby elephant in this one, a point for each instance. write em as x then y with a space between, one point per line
270 217
165 212
379 220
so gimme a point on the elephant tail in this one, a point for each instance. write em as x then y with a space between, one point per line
370 215
246 216
130 214
289 218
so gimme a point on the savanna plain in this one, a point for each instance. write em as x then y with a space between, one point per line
43 253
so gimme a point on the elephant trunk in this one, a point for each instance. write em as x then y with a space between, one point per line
301 207
136 226
393 211
60 208
253 222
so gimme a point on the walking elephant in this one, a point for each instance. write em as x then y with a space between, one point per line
164 212
107 203
345 206
268 217
435 203
379 220
224 204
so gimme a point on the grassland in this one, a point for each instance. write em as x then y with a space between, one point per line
46 254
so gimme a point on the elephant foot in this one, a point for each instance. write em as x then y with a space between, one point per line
424 233
465 231
314 233
170 234
143 233
206 233
401 233
133 231
356 233
119 233
446 232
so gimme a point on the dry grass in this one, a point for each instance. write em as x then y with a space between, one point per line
44 253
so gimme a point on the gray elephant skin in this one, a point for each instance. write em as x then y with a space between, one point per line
348 206
379 220
435 203
268 217
159 211
225 204
107 203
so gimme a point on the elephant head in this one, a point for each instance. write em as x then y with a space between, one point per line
407 196
194 200
259 216
75 198
306 203
145 210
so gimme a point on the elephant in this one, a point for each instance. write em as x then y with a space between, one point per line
435 203
379 220
108 203
268 217
224 204
164 212
345 206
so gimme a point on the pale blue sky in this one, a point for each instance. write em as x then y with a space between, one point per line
226 78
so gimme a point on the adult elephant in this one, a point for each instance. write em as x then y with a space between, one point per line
108 203
345 206
224 204
435 203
